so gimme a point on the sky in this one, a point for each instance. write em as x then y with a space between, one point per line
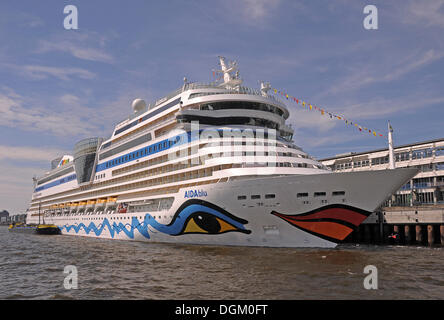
58 86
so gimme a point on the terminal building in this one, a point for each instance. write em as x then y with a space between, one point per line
419 204
427 187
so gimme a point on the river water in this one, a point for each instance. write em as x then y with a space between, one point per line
32 267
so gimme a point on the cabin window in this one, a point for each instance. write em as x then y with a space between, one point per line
338 193
320 194
302 195
270 196
241 197
256 196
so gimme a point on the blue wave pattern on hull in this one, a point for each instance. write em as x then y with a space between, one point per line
176 227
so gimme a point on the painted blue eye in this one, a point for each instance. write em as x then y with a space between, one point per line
202 217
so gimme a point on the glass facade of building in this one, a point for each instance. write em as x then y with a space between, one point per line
85 157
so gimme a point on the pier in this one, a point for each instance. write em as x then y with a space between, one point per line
415 213
420 225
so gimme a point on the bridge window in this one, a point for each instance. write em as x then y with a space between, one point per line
320 194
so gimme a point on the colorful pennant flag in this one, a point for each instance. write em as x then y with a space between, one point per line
324 112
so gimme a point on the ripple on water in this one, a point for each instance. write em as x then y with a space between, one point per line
32 268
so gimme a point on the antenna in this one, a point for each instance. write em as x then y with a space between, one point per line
230 81
390 142
265 86
185 83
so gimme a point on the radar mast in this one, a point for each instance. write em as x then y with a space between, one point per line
230 81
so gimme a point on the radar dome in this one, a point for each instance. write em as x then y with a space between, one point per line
138 105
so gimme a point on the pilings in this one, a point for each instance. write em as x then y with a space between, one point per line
418 230
430 235
407 234
441 232
400 234
396 234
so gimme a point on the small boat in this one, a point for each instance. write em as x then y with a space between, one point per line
22 228
47 229
35 228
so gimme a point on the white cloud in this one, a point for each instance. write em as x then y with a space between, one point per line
36 72
76 48
67 115
386 71
413 63
252 12
29 153
16 186
426 13
258 9
384 107
303 118
21 19
17 111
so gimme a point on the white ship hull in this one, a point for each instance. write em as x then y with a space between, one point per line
212 214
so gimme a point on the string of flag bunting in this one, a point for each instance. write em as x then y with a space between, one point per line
311 107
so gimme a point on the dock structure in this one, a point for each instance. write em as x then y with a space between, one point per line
415 213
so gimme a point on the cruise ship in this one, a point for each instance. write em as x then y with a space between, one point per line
211 164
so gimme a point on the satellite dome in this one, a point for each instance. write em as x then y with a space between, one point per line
138 105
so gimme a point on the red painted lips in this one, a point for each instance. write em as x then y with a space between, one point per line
334 222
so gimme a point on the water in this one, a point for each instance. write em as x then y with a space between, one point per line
31 267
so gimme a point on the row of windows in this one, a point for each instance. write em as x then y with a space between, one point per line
241 105
356 164
402 156
299 195
165 158
341 166
148 116
320 194
257 196
381 160
160 146
225 121
100 176
427 182
59 174
165 144
419 154
363 163
126 146
117 217
56 183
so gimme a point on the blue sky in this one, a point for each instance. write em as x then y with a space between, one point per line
58 86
